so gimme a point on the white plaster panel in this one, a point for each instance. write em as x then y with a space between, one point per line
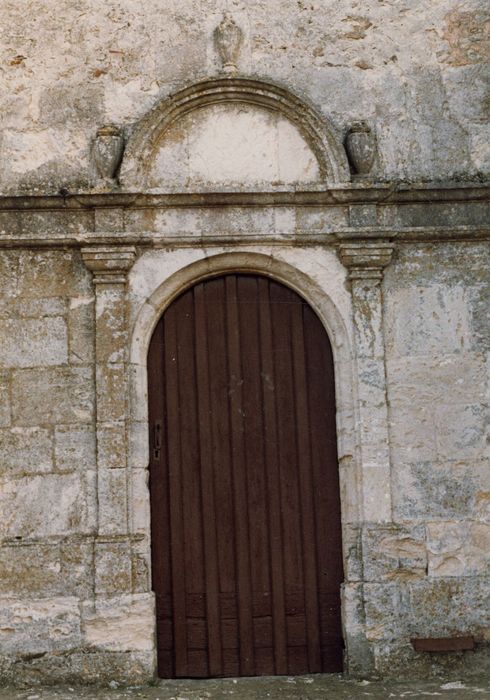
232 144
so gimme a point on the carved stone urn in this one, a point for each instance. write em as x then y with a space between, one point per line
228 39
107 152
360 144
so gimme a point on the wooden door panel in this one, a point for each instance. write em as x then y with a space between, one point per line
246 543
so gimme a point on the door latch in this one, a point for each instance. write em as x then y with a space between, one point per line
157 440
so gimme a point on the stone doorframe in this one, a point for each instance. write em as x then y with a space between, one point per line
362 423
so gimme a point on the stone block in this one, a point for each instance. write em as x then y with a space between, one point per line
376 488
449 606
39 626
81 666
463 431
81 330
138 445
138 390
242 221
111 392
458 548
359 656
39 506
361 215
52 395
388 611
34 570
482 506
4 398
394 552
110 311
113 568
31 571
25 451
77 568
140 566
321 219
123 623
412 432
349 482
38 308
31 342
74 447
111 445
431 320
428 491
429 380
112 501
284 220
352 549
368 318
53 273
140 501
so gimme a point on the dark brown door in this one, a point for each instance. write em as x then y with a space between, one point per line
246 541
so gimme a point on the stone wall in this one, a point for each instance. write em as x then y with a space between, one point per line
395 264
75 602
413 69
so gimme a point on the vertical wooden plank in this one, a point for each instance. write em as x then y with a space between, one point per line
247 665
288 465
273 481
175 484
189 429
321 400
253 422
303 433
253 425
160 515
214 297
207 486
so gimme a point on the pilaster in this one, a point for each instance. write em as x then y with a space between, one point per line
365 261
110 266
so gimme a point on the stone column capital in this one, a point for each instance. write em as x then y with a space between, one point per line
109 264
366 259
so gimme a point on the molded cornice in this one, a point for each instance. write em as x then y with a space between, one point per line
364 194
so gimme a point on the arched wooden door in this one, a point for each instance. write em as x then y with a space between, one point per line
246 538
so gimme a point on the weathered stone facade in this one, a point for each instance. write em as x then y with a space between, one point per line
242 169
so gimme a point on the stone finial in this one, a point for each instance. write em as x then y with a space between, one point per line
108 150
109 265
366 260
360 144
228 38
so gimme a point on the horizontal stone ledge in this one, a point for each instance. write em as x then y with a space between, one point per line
52 540
369 192
154 239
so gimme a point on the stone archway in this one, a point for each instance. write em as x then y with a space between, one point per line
335 324
146 139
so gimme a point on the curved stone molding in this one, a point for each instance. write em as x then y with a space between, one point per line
317 133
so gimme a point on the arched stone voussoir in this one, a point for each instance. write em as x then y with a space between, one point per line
168 118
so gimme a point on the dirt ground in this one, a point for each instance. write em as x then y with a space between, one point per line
298 688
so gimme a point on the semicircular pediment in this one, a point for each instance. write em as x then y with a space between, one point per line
232 133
